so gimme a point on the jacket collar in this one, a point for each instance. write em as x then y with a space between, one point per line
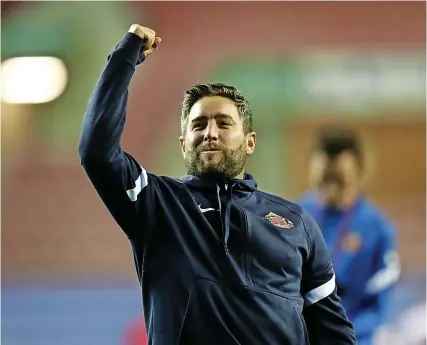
208 181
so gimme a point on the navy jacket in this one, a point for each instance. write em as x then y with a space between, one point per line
219 261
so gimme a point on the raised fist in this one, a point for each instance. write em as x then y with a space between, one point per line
151 41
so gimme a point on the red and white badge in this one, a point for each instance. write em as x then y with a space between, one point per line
279 221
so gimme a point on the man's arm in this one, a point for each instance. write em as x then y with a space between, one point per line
375 301
326 320
116 175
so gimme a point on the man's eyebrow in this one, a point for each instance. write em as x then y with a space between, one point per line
218 115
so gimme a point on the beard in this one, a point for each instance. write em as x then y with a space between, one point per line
226 162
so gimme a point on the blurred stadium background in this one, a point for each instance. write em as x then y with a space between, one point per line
67 270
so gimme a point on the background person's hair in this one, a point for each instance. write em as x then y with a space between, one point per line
333 142
199 91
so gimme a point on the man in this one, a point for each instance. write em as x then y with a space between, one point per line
360 239
219 261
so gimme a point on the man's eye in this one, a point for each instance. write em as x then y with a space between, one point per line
225 124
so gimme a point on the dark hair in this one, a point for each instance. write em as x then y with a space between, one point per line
333 142
199 91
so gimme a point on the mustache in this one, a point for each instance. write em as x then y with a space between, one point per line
210 147
334 179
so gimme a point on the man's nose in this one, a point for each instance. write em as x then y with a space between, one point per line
211 131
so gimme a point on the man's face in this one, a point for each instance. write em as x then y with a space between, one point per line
332 177
214 141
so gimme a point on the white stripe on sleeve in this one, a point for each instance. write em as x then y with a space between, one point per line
320 292
140 184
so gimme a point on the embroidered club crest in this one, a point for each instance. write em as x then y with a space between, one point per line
278 221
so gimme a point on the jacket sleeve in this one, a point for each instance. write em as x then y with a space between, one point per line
325 317
374 302
119 180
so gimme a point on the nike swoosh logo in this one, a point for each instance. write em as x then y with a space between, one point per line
203 210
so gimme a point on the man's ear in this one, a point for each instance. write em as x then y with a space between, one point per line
182 144
251 143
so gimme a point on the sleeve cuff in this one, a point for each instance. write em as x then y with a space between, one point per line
130 47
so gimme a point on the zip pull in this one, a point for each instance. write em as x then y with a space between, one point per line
226 186
225 247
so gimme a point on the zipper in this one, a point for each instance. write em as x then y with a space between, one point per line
224 220
248 242
224 244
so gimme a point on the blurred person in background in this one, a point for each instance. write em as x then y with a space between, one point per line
219 261
360 238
